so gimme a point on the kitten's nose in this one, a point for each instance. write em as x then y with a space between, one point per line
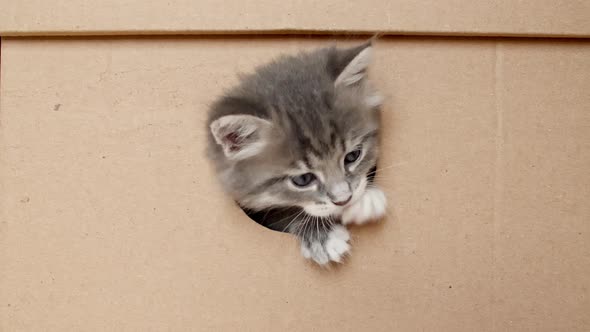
341 203
340 193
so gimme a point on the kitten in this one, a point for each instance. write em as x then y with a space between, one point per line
295 143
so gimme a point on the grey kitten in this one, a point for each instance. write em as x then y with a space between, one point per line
297 140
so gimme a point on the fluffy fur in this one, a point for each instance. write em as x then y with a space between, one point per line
294 144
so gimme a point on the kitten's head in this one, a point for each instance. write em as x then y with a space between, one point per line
301 131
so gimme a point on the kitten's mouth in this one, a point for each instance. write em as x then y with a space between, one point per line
323 211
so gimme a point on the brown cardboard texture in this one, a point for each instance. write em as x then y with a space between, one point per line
111 219
440 17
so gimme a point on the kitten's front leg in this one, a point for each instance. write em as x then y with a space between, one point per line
369 207
328 243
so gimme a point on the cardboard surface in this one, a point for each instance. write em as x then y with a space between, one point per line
110 218
448 17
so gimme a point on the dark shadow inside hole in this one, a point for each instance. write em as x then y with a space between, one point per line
278 219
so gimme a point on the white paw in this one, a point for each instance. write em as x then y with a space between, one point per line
370 206
332 250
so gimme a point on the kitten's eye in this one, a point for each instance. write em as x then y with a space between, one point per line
352 156
303 180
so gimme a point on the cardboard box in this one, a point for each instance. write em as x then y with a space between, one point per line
111 219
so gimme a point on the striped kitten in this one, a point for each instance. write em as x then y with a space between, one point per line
295 145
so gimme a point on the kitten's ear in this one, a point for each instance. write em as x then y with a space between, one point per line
349 66
241 136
